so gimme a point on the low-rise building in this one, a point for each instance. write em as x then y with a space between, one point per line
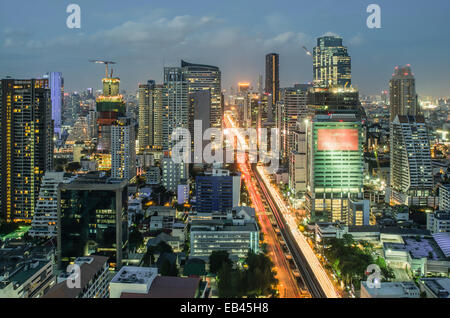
93 275
390 290
144 282
26 271
438 222
435 287
237 234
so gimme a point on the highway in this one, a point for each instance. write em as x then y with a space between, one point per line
318 282
288 286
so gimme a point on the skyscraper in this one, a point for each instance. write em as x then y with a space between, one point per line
294 102
150 116
175 104
332 64
145 132
56 83
403 97
110 106
26 145
205 77
273 76
411 168
123 149
335 166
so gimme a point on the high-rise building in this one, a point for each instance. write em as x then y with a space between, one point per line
273 75
199 110
294 103
123 149
411 173
56 84
335 166
46 212
205 77
92 218
217 191
26 145
403 97
173 173
110 106
175 104
332 64
150 116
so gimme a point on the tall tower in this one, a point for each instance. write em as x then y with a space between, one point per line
146 113
26 145
273 76
123 149
56 84
403 95
175 104
206 77
110 106
411 168
332 64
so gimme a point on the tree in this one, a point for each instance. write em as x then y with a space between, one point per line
217 259
135 238
73 166
168 268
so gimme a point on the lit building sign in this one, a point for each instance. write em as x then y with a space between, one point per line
337 140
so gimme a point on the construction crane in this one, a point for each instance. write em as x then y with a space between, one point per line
308 52
106 65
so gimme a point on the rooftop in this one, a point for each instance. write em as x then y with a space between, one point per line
169 287
393 289
443 241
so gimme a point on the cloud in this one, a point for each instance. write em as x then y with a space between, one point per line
356 40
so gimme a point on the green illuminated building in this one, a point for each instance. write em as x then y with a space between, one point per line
335 166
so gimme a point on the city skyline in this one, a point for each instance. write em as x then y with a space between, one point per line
235 37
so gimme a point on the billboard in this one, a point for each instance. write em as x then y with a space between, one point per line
337 139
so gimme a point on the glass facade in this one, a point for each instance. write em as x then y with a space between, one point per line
93 221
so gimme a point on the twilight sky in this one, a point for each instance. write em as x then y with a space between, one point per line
142 36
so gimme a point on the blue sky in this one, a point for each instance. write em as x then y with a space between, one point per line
143 36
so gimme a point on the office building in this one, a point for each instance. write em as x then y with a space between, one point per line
175 104
94 280
438 222
411 177
444 197
46 212
26 144
153 175
56 84
200 111
335 166
123 149
92 219
110 106
332 64
150 116
273 76
294 103
173 173
217 190
237 234
403 97
206 78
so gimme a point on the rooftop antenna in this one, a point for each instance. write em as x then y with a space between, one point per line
106 65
